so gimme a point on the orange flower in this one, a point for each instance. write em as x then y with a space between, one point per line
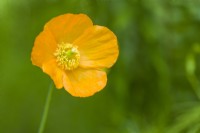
74 52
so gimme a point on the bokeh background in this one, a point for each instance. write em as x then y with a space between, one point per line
153 88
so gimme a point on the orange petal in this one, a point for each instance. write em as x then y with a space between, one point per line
98 48
54 72
43 49
84 82
66 28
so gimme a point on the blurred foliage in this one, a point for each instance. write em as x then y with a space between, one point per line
153 88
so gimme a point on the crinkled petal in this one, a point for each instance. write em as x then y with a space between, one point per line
66 28
98 48
54 72
43 49
84 82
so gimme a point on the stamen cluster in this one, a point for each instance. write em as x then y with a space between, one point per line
67 56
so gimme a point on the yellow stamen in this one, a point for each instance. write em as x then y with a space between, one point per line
67 56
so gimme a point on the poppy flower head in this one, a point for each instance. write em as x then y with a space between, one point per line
74 53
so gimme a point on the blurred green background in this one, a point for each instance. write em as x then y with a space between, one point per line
153 88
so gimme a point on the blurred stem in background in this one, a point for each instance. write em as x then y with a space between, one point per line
46 109
191 67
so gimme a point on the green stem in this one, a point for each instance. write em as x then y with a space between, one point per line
46 109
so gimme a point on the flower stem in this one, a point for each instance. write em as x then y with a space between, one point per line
46 109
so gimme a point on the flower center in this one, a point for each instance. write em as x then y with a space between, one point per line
67 56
